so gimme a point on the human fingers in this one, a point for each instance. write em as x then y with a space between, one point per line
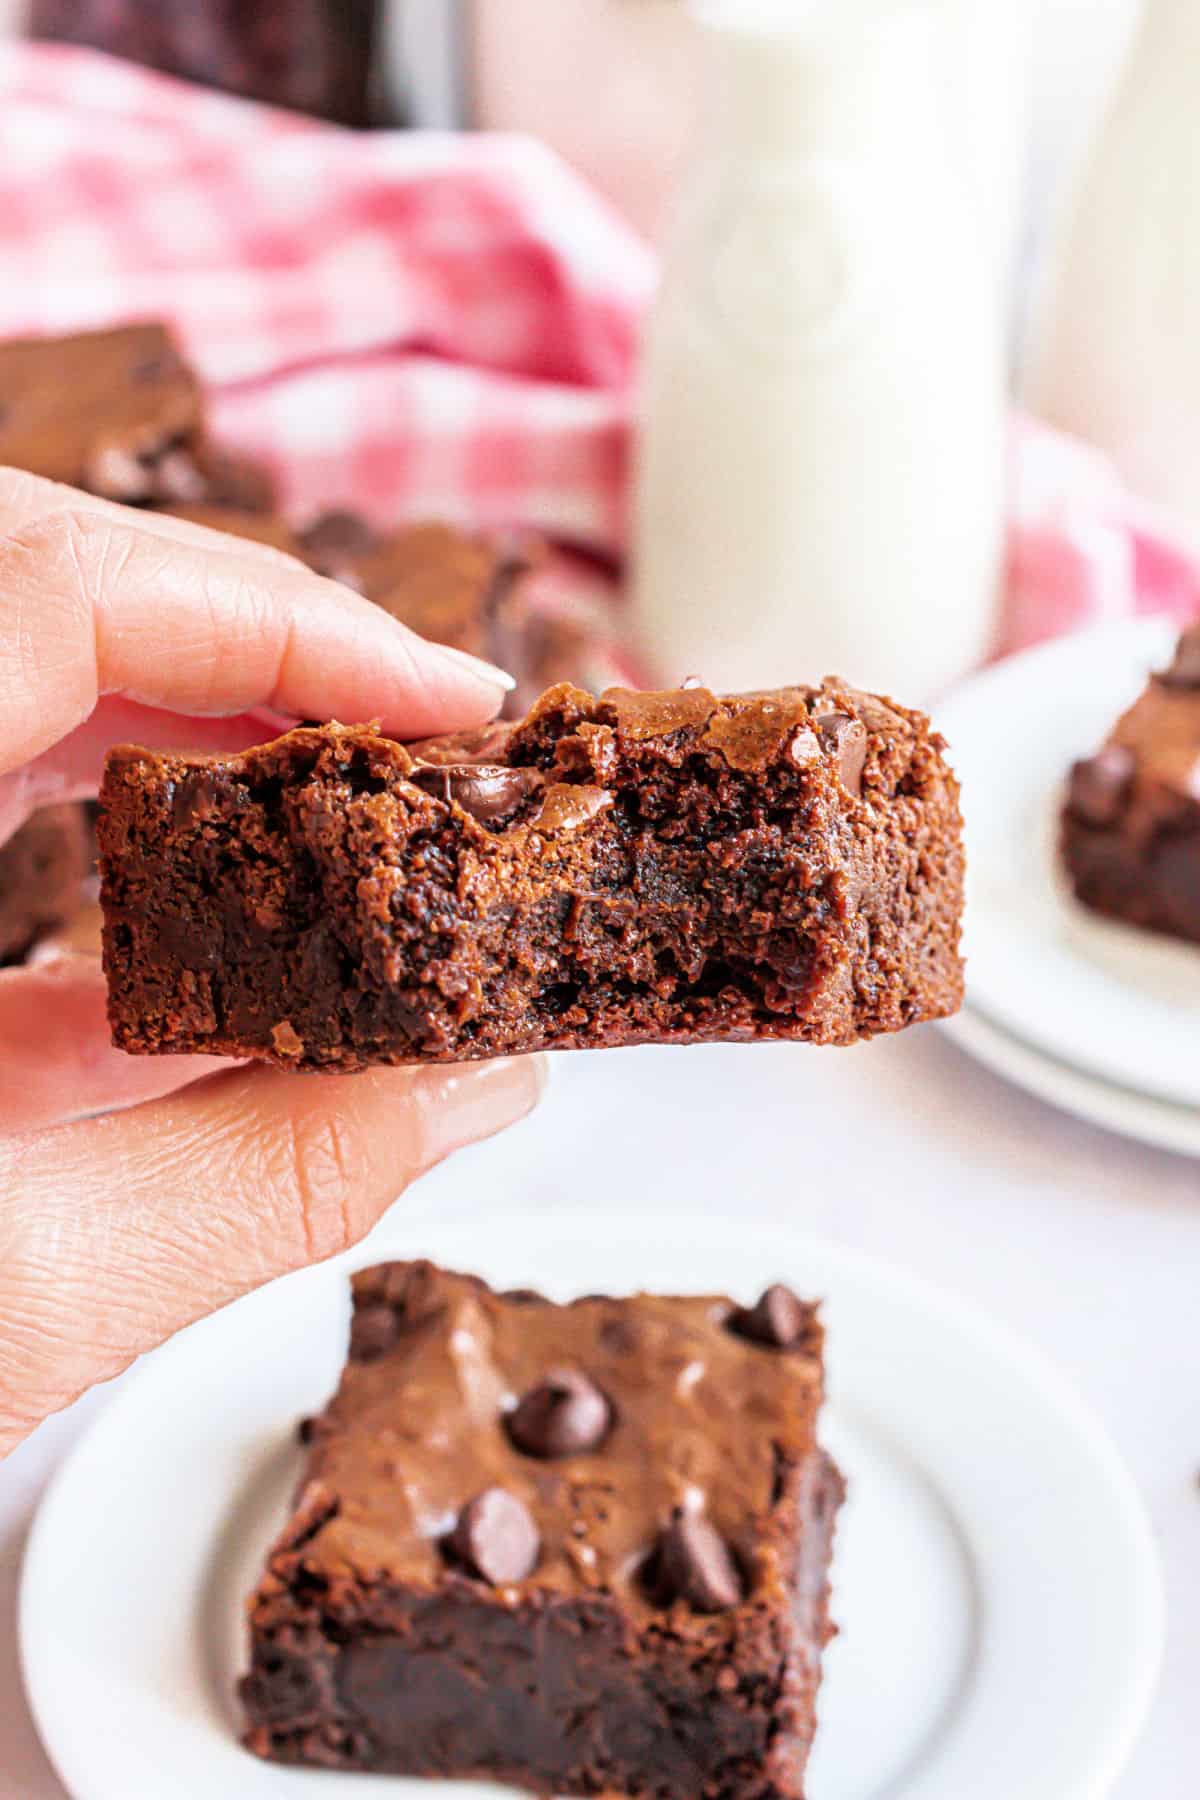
26 498
57 1060
117 1231
71 769
91 605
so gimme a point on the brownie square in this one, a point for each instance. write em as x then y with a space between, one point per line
1130 833
116 412
580 1548
640 868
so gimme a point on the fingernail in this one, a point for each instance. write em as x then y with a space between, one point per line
464 1102
475 665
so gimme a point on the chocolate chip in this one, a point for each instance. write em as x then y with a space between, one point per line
694 1563
373 1331
490 793
496 1538
1184 671
778 1318
847 739
563 1415
1100 785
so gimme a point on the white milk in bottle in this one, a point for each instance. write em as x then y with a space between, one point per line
1116 355
821 465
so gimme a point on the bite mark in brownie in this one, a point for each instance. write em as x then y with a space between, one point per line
635 1604
639 868
1130 829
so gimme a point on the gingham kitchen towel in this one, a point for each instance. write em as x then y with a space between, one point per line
425 324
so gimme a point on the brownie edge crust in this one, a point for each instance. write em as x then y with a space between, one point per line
583 1549
639 868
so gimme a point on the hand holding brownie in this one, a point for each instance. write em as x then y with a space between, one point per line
116 1231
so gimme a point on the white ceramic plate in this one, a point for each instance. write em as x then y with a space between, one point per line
1118 1003
1117 1109
996 1583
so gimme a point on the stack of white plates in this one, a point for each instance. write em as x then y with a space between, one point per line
1095 1017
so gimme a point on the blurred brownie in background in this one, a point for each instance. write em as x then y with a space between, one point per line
468 590
42 872
121 414
313 56
1131 821
459 588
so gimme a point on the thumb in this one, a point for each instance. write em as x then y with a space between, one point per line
117 1231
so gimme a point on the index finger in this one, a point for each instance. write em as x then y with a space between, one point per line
92 602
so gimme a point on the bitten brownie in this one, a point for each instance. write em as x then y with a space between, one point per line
1131 820
42 870
120 414
580 1548
640 868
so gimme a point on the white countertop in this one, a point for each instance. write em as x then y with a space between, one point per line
1086 1244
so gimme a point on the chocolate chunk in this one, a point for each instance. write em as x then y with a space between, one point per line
1184 671
490 793
694 1563
373 1331
565 1415
778 1318
847 739
1100 785
496 1538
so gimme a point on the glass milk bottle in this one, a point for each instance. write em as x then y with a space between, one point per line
821 462
1116 356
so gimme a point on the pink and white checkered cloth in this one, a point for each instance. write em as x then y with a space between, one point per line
425 324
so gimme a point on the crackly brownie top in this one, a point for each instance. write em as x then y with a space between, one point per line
108 410
627 1446
561 766
1153 751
